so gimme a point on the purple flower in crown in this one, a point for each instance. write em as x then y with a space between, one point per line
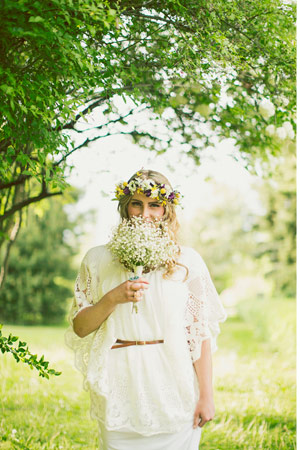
148 193
126 190
171 196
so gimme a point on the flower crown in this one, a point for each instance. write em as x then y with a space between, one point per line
160 192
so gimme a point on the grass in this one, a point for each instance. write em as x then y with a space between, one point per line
254 371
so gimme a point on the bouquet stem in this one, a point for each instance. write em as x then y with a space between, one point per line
138 270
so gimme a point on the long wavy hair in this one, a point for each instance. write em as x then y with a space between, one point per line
169 213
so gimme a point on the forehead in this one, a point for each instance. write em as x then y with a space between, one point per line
143 198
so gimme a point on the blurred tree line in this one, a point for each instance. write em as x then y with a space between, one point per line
275 230
40 274
236 242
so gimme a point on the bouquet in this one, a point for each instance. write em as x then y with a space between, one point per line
143 246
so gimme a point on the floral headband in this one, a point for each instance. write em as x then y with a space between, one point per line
160 192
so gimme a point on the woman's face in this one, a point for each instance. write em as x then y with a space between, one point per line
146 207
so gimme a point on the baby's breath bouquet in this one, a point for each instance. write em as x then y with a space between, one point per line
143 246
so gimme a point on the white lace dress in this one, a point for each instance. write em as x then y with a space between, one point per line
150 389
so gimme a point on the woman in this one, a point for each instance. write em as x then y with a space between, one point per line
149 374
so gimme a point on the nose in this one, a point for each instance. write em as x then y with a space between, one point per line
146 212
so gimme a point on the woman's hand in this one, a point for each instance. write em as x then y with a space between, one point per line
129 291
204 411
91 318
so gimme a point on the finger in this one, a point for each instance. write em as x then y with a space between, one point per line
140 280
139 286
137 295
133 285
202 423
143 280
196 421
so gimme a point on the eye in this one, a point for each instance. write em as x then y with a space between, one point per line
133 203
155 205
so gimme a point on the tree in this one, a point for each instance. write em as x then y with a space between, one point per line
41 275
201 70
276 228
222 234
236 242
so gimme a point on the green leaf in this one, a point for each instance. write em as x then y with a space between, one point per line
7 89
36 19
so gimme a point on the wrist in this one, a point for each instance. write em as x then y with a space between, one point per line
109 299
205 394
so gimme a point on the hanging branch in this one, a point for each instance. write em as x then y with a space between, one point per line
27 202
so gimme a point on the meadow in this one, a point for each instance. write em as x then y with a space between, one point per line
254 377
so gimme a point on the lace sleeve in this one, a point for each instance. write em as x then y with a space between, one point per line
204 310
82 291
82 298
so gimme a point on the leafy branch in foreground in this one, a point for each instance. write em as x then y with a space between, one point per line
22 353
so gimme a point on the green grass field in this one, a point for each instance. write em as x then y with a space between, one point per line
255 392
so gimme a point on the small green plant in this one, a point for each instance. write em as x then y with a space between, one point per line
21 353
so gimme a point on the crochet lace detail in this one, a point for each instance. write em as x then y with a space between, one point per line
202 313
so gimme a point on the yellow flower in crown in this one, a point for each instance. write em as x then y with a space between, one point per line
163 191
119 192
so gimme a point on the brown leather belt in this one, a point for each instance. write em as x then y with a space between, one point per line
129 343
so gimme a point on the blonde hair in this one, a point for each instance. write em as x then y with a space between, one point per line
169 214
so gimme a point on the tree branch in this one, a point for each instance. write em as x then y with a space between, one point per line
88 140
12 238
158 19
70 125
20 180
99 127
28 201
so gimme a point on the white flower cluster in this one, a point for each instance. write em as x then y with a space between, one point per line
136 242
286 131
266 109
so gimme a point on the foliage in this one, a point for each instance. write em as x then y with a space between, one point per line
221 234
273 323
22 353
254 379
236 242
40 275
78 71
275 230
